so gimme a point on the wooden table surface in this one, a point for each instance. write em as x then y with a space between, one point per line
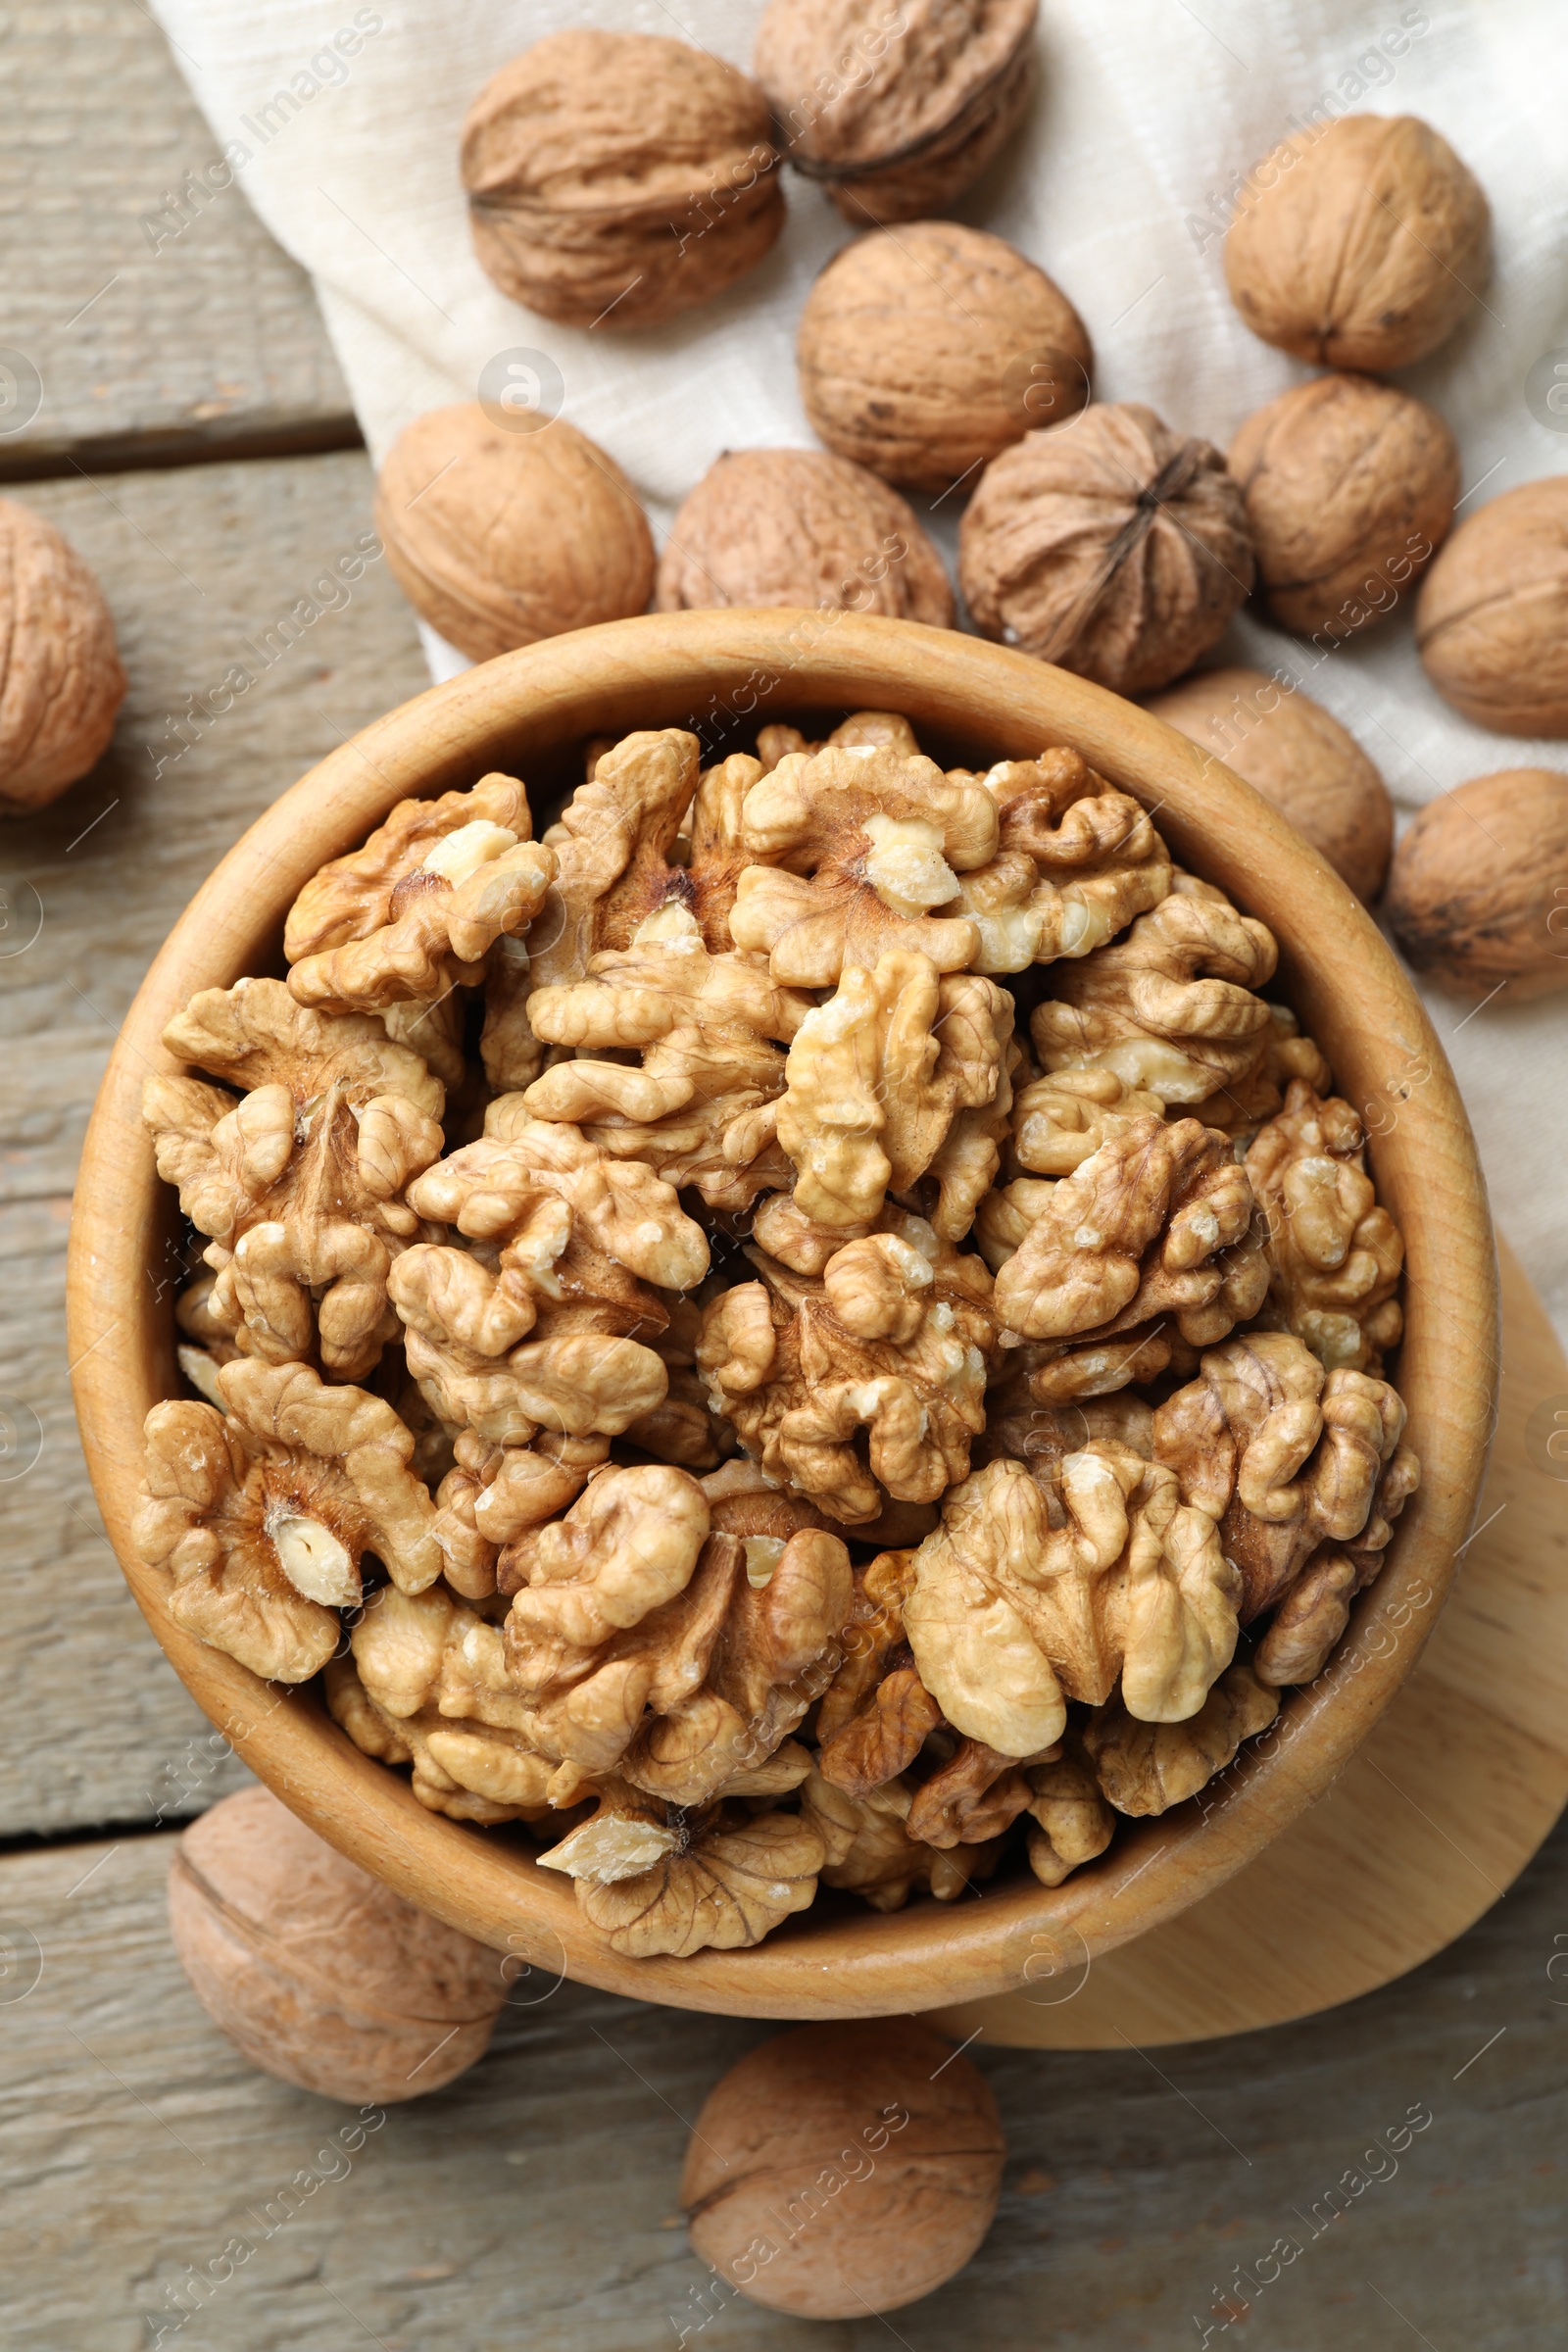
194 440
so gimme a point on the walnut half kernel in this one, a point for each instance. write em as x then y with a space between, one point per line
718 1394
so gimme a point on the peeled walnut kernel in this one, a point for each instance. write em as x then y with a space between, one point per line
1478 897
618 177
1109 544
844 2169
896 110
1493 621
1350 489
321 1975
796 526
498 538
1363 250
60 683
925 351
1298 757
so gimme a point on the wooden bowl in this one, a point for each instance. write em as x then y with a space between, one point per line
529 713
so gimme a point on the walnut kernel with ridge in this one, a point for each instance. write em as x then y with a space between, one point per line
924 352
1109 544
1349 488
1365 250
618 177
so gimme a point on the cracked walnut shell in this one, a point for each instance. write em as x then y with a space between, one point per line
924 352
261 1513
1362 249
618 177
798 526
60 683
1109 544
499 536
897 113
1349 488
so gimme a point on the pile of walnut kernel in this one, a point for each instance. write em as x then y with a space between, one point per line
706 1374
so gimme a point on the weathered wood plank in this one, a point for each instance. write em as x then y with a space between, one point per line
206 571
534 2200
138 341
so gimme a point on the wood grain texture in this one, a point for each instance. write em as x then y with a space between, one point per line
201 567
145 352
1428 1822
533 2202
1353 994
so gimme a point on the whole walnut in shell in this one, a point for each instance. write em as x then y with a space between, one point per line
318 1972
498 538
1478 895
844 2169
1350 489
1298 757
1109 544
1365 250
619 173
795 527
924 352
896 111
1493 621
60 683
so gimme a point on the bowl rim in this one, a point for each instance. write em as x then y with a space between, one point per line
1348 990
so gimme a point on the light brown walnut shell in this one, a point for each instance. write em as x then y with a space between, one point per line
925 351
1363 246
1478 897
1109 544
1299 757
1350 488
896 111
315 1970
61 682
261 1513
1492 619
618 178
498 537
799 527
